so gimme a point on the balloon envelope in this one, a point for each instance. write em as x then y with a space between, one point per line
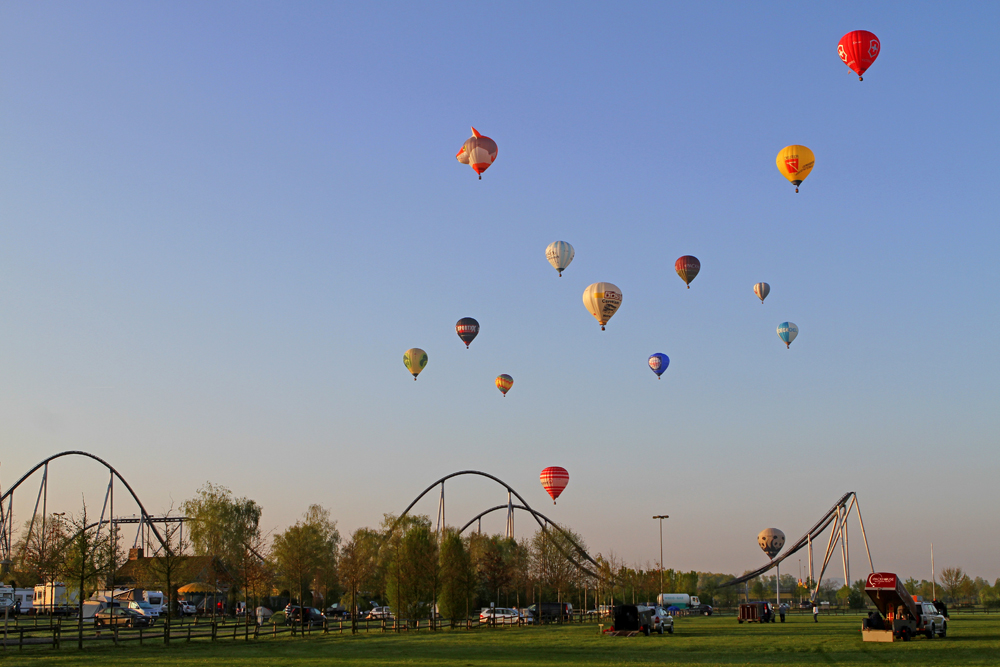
415 359
504 383
787 331
687 267
554 479
658 363
771 540
603 301
559 254
478 152
467 329
762 290
795 162
859 49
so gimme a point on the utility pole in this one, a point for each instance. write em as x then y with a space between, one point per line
661 517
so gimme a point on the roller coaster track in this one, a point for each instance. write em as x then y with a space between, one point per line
837 516
545 525
7 516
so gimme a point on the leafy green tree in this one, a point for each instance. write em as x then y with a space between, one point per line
79 562
224 527
358 566
955 582
458 578
411 569
305 552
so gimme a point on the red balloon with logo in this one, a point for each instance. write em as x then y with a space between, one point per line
554 479
687 267
859 49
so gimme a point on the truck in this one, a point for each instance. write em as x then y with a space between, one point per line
900 616
53 599
683 601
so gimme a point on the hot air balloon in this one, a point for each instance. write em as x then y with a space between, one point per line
771 540
602 300
554 479
762 290
478 152
795 162
687 267
504 383
788 331
658 363
415 359
559 254
467 329
859 49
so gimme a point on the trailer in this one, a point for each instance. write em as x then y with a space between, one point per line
900 617
631 620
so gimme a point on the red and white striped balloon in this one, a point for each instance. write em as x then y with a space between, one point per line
554 479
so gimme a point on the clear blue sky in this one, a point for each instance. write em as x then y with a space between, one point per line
221 224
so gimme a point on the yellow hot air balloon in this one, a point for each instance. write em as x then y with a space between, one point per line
602 301
415 359
795 163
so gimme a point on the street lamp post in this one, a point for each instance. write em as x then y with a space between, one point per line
661 517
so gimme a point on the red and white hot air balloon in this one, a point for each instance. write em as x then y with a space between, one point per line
478 152
554 479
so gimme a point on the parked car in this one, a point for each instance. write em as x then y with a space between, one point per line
185 608
500 616
142 608
662 621
121 616
337 611
380 613
313 616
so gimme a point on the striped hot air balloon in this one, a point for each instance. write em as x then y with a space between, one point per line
559 254
554 479
762 290
504 383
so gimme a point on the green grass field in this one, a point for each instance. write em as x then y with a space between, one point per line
972 640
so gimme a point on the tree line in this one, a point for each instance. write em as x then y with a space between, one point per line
403 563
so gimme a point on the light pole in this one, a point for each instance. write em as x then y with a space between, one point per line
661 517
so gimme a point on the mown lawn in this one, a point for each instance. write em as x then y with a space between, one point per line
972 640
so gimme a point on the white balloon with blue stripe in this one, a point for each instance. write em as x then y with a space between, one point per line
559 254
787 331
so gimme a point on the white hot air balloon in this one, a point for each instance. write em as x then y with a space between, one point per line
559 254
762 290
787 331
602 300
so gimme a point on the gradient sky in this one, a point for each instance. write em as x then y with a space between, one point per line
221 224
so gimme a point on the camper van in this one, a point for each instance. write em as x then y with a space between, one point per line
157 600
6 600
53 598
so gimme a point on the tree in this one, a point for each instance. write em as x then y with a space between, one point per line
410 560
79 562
458 579
40 559
953 580
306 553
224 527
358 564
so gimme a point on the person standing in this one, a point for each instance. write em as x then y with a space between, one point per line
782 610
815 612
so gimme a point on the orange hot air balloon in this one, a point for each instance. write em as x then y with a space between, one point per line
479 152
504 383
687 267
554 479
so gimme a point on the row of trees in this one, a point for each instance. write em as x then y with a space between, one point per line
402 563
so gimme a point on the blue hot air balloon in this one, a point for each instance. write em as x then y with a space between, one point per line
787 331
658 363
